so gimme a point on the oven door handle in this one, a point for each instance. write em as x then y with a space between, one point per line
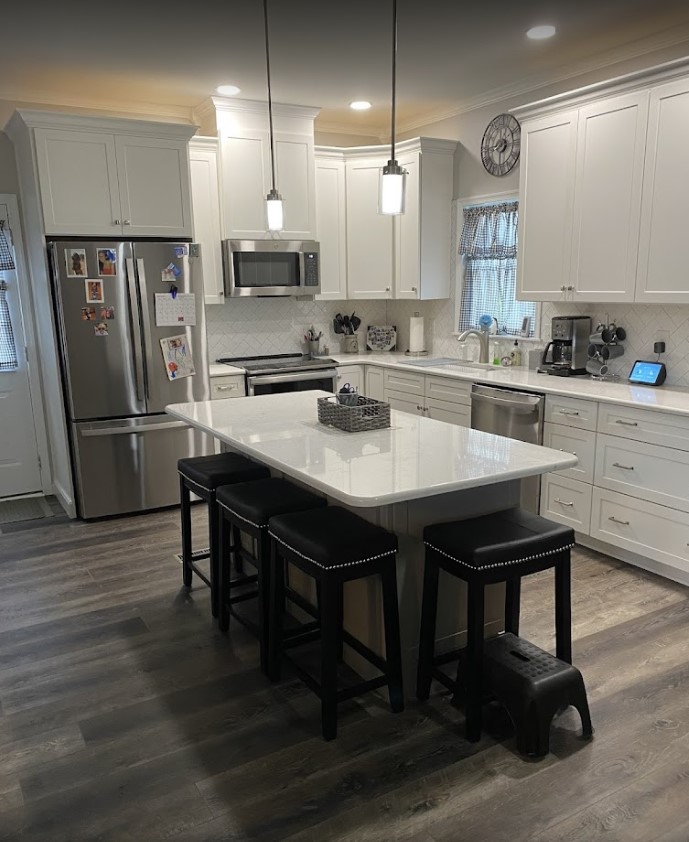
296 377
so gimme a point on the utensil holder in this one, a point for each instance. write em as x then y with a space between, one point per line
351 344
313 347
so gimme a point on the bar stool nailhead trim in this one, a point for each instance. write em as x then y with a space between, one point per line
332 566
499 564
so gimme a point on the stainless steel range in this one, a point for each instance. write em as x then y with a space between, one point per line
285 373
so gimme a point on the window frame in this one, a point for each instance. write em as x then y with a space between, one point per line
458 264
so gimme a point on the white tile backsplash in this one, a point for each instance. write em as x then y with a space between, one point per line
250 327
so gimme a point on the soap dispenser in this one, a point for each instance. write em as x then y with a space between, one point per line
516 354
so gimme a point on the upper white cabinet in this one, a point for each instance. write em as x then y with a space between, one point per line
663 275
205 200
601 192
407 256
246 176
111 177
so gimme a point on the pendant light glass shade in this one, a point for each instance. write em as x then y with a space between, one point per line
392 181
274 214
274 211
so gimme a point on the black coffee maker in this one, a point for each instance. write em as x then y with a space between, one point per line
567 352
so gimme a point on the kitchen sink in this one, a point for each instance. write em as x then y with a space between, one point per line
449 362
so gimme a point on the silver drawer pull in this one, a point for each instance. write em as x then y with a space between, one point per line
562 450
624 467
627 423
568 412
616 520
563 502
224 388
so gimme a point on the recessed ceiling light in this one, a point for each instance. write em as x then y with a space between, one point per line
539 33
227 90
360 105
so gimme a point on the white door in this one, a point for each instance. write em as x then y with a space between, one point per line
19 460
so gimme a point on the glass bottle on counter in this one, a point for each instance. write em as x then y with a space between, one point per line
516 354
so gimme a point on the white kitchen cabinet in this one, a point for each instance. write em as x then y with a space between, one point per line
205 201
404 403
352 374
663 276
442 398
451 413
546 206
611 141
227 386
375 386
112 177
331 225
580 443
567 501
370 271
244 136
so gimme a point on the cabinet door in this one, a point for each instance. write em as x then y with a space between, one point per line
331 231
607 206
375 387
369 233
153 175
452 413
546 207
205 200
408 232
662 274
294 174
77 172
404 403
243 162
352 374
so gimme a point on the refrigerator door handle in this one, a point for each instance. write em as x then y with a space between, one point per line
141 274
138 342
128 431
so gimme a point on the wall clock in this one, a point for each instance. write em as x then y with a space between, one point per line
500 145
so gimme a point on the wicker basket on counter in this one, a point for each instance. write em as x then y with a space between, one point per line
367 414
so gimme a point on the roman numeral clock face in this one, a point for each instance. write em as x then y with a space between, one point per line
500 145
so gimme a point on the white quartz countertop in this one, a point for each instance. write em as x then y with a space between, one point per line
415 457
662 398
223 370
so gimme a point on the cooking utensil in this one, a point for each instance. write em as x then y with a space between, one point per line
355 321
347 326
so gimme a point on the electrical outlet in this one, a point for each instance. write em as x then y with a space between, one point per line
662 336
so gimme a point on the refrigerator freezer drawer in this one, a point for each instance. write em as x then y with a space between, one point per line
130 465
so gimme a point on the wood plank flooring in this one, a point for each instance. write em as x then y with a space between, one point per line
125 715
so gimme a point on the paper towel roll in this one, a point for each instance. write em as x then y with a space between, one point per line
416 342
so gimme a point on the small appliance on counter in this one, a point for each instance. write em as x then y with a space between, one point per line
604 345
567 352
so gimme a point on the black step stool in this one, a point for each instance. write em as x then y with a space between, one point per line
532 686
500 547
333 546
204 475
247 507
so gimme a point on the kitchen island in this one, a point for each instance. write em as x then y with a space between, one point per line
416 472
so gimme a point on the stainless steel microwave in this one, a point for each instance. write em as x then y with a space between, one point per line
271 267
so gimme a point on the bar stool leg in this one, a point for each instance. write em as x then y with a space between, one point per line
276 610
563 608
224 575
329 650
474 665
339 598
185 517
393 650
513 588
429 610
213 529
263 586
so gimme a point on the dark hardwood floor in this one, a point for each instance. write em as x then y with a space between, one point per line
125 715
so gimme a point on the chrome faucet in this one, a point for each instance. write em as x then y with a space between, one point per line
483 335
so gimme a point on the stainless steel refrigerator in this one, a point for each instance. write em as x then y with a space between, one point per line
124 447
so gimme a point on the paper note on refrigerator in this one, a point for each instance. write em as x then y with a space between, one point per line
180 310
177 357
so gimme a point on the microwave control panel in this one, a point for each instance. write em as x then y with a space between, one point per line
311 269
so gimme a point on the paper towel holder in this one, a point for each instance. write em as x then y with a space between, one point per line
421 353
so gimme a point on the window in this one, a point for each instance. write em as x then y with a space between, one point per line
8 348
488 248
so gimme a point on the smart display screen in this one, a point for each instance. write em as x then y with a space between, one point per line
645 372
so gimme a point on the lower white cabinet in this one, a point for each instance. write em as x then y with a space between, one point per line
352 374
227 386
404 403
567 501
581 443
452 413
375 385
442 398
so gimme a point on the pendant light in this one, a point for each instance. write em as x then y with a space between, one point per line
392 182
273 199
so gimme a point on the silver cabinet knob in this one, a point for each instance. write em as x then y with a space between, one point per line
116 222
126 222
387 289
563 288
413 289
570 288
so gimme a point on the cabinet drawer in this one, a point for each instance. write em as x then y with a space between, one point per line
644 425
227 387
574 412
448 389
582 443
644 528
654 473
403 381
567 501
404 402
452 413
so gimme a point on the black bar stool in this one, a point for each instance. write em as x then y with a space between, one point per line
204 475
247 507
500 547
334 546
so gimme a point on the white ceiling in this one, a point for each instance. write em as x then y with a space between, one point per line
451 55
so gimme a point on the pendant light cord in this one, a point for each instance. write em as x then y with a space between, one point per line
270 98
394 78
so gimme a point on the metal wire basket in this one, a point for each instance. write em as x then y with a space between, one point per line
368 414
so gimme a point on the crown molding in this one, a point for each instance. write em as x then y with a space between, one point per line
120 125
255 106
347 129
415 144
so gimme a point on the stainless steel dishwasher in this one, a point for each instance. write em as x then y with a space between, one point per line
515 415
